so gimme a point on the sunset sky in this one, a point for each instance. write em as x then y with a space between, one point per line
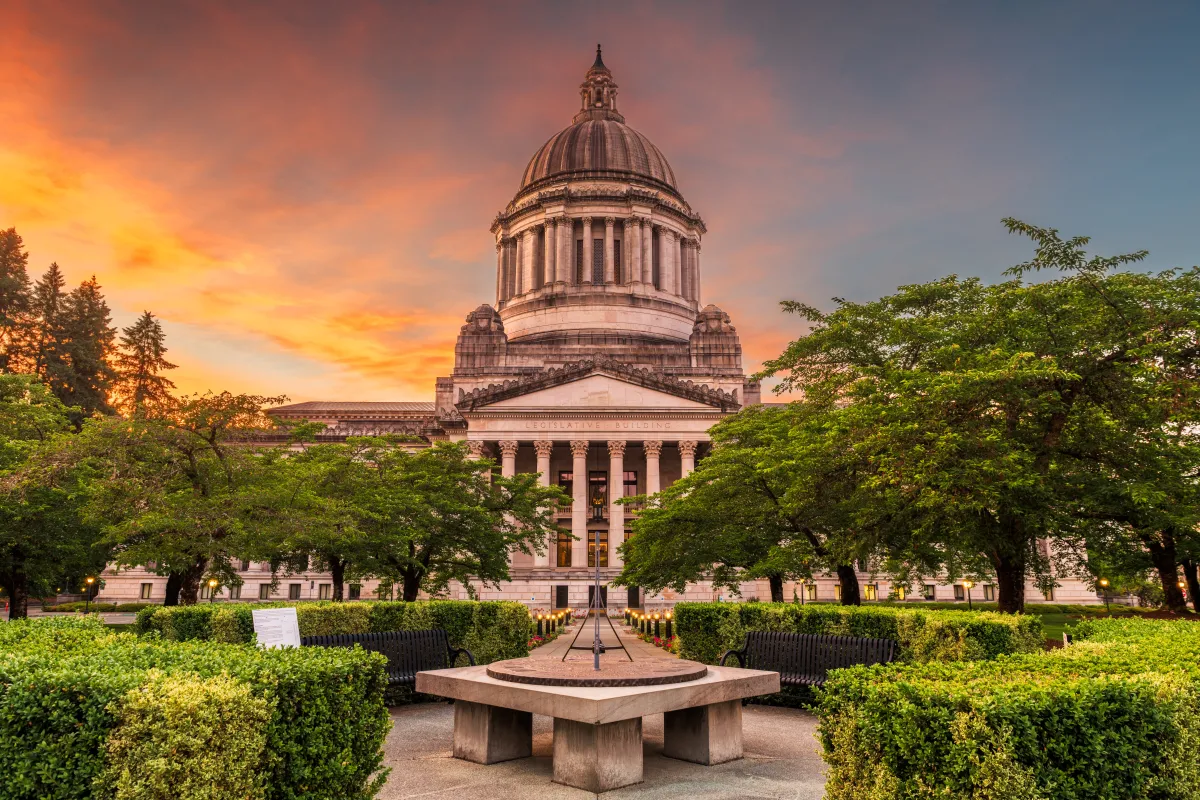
302 191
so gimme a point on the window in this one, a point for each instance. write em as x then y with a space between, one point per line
324 591
564 549
837 592
355 591
629 487
578 261
539 279
618 267
384 590
597 261
633 598
566 483
870 591
654 258
264 591
901 592
810 589
561 596
245 564
989 592
293 591
205 592
235 592
1049 595
960 593
147 588
592 536
598 494
930 591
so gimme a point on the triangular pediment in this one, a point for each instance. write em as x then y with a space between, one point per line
598 383
599 391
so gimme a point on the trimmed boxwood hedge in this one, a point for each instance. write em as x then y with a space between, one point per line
69 686
491 630
706 630
1112 717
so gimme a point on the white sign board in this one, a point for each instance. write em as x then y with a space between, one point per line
276 627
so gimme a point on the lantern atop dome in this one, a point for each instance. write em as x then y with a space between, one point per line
598 94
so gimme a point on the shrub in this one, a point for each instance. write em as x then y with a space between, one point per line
492 631
1116 716
706 630
182 737
60 704
135 606
81 606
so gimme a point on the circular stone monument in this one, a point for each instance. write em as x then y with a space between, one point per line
552 672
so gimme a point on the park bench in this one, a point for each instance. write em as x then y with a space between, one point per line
805 659
407 652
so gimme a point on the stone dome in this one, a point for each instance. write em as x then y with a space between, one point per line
599 148
599 144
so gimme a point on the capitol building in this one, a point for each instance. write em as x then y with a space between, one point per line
600 366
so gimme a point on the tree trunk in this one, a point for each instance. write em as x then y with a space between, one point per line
849 580
189 589
337 570
18 588
1010 582
412 585
1162 556
1193 582
174 581
776 582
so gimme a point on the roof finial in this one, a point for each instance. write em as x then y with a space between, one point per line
599 61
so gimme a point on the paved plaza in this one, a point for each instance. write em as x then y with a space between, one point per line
782 757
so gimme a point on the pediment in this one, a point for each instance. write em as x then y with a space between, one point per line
599 391
599 382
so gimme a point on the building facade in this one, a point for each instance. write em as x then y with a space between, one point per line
599 366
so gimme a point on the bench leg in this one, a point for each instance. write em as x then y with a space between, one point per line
708 735
598 758
487 734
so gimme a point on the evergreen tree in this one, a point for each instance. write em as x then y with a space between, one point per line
45 348
139 362
14 296
89 345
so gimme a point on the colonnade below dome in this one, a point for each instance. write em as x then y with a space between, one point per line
564 252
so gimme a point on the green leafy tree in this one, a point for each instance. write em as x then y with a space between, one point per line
979 406
177 489
775 499
434 515
45 349
140 361
14 296
43 537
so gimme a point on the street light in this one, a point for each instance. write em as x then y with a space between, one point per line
968 585
803 590
212 590
669 625
1104 586
87 597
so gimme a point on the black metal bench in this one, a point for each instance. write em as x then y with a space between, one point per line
408 652
805 659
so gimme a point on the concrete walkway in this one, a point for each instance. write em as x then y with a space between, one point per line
782 754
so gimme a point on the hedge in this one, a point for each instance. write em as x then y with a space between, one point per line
85 712
93 606
1115 716
491 630
706 630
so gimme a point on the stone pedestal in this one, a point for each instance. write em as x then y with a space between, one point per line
488 734
598 757
707 735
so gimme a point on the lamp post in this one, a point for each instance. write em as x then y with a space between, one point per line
967 585
657 625
802 590
87 596
669 625
1183 589
1104 586
539 625
212 590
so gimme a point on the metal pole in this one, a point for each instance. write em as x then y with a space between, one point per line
596 603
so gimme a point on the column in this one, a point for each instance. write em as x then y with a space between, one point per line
610 265
587 250
633 239
566 241
616 490
528 251
677 261
653 450
551 254
685 268
579 509
499 273
696 271
647 252
543 450
666 271
687 453
508 458
474 449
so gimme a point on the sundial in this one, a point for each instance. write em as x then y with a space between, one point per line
552 672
